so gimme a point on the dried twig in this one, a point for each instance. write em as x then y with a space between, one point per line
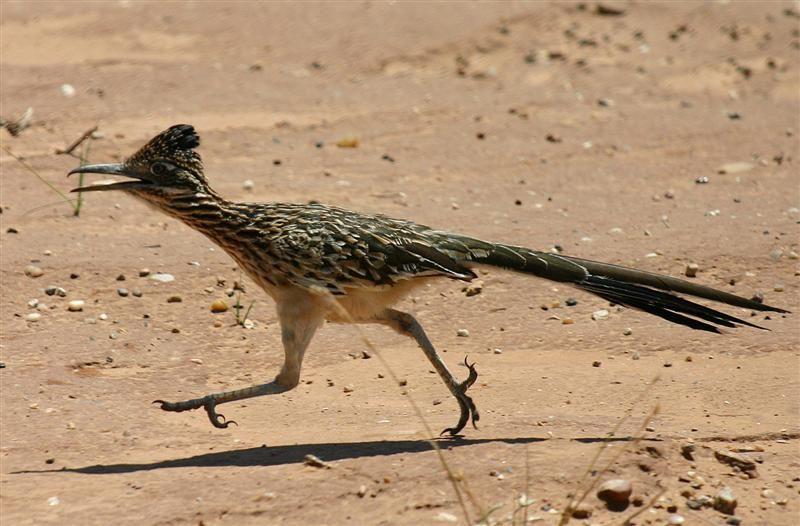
77 142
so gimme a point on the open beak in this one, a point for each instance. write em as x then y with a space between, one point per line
108 169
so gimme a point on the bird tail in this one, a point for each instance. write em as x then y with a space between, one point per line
646 291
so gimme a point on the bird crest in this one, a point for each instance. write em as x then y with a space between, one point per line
174 145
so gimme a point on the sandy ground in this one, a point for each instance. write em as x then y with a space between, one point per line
452 105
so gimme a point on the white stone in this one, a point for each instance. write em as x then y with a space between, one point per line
68 90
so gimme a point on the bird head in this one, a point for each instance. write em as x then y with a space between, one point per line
166 166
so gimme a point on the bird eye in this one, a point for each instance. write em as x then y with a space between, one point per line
159 168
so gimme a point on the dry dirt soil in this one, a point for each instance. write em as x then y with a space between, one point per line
538 124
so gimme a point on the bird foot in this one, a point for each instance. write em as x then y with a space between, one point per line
468 410
208 402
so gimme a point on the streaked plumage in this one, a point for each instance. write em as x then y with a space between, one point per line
368 263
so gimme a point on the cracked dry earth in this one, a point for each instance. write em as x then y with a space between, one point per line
538 124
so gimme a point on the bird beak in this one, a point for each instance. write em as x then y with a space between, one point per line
108 169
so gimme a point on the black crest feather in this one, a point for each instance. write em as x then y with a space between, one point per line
176 144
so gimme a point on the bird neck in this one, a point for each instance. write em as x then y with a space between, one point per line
199 210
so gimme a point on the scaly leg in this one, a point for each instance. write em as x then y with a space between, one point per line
299 321
406 324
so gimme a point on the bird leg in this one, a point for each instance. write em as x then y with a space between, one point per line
209 402
299 321
406 324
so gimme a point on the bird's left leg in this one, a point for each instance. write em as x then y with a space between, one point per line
406 324
299 318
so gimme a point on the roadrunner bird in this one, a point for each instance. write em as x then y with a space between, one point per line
303 255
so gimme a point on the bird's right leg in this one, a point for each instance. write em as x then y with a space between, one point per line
406 324
299 321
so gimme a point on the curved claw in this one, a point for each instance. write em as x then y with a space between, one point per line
468 410
473 375
217 419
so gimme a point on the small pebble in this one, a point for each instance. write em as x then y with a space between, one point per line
74 275
601 314
778 288
75 305
33 272
144 272
33 316
473 289
734 168
348 388
33 303
597 363
498 351
725 501
675 519
615 492
219 306
161 277
174 299
463 333
53 501
123 292
67 90
443 516
248 185
567 321
137 293
121 277
347 142
570 302
103 316
198 361
691 270
628 331
582 511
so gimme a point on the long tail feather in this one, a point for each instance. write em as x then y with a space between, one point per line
647 291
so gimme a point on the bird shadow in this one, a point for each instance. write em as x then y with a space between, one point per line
295 454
